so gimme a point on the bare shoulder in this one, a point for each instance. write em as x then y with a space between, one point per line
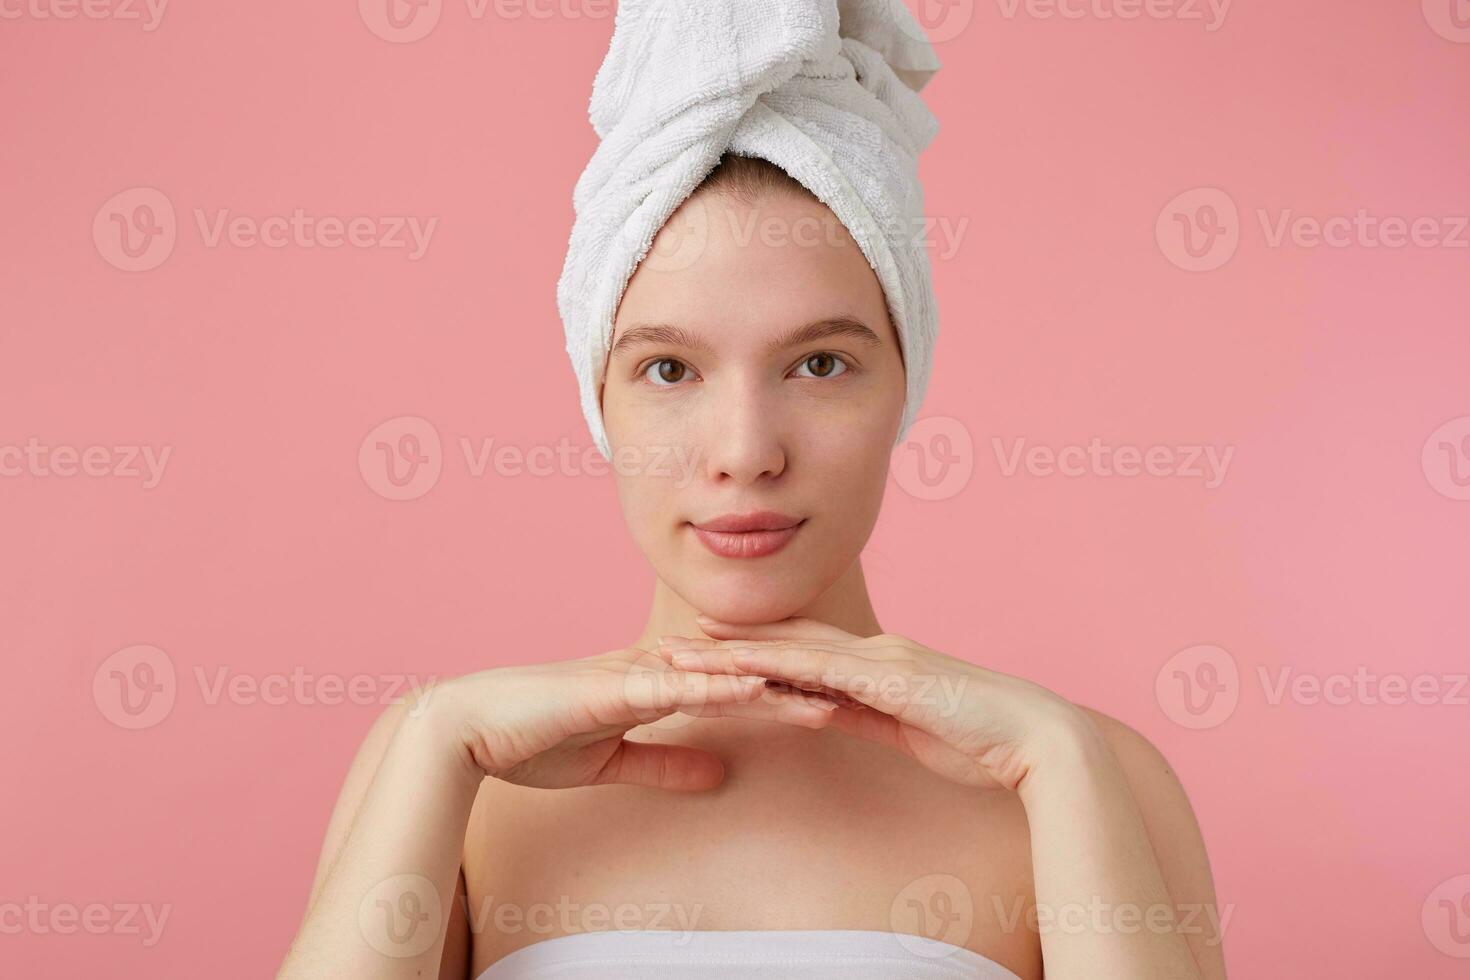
1157 788
1178 843
1139 756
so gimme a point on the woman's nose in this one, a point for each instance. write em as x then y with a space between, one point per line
742 436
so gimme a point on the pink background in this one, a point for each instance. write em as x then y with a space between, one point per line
1335 541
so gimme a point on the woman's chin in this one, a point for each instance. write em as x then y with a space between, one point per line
747 604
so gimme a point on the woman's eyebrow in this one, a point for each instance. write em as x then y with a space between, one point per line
670 335
663 334
833 326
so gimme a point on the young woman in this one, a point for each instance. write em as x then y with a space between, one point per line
890 810
763 782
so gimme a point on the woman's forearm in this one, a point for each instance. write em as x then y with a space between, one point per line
381 910
1103 910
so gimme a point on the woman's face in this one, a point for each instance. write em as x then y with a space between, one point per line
754 368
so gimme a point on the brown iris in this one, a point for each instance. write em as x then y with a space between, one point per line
826 359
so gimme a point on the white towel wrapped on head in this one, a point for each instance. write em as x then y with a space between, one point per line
825 89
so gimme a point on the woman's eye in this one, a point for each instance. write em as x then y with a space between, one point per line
824 365
665 372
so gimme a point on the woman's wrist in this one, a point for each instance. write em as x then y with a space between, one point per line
1067 745
434 728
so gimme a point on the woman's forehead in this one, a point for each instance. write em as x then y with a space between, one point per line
752 271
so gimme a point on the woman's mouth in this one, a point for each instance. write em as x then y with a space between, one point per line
747 535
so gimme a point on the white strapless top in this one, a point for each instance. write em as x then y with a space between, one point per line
715 954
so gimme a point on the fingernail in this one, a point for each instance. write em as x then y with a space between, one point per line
822 703
687 658
670 641
750 681
704 618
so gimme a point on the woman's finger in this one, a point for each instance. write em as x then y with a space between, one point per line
835 697
775 692
882 684
666 651
659 690
787 706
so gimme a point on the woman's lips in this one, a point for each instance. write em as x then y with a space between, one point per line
746 544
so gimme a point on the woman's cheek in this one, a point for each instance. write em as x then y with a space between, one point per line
857 437
655 422
856 467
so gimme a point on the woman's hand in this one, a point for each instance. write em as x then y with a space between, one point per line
1091 844
968 724
561 724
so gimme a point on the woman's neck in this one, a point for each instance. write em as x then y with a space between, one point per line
845 605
